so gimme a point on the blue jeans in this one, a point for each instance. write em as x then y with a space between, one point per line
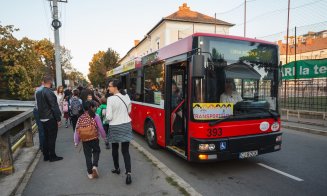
40 127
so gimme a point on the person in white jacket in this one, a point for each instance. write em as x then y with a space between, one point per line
120 128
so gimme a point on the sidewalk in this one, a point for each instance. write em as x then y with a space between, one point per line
68 177
315 126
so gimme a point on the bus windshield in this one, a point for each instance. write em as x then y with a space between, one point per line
241 77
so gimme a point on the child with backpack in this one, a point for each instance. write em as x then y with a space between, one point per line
101 111
88 129
75 106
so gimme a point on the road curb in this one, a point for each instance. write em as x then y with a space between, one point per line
21 187
306 130
13 182
180 181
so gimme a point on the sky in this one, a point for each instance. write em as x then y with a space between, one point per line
91 26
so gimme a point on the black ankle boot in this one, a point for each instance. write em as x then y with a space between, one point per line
115 171
128 178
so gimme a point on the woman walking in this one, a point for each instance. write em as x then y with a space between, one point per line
60 97
120 128
88 129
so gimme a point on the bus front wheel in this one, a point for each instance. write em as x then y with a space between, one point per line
150 135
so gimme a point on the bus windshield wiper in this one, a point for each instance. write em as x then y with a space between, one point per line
219 121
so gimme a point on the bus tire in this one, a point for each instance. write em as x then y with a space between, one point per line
150 135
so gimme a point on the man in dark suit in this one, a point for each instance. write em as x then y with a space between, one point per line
50 116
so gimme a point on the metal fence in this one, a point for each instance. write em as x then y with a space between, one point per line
304 94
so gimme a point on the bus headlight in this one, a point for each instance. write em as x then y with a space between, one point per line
206 147
275 126
203 147
212 147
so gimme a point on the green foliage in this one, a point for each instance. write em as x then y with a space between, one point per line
24 62
19 83
102 62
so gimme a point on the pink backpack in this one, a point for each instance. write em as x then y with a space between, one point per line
65 106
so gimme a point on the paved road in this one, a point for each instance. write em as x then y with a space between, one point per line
68 177
303 157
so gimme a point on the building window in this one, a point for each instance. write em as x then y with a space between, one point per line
158 43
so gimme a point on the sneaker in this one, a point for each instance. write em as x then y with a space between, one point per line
66 126
95 172
90 176
128 178
115 171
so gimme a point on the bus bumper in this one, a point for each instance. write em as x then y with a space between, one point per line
235 147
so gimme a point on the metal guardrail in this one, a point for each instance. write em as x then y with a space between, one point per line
299 113
304 94
6 146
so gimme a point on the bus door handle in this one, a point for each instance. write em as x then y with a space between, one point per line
174 111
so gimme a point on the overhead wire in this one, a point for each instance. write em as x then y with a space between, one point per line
47 22
277 11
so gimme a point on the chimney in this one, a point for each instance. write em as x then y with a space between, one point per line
184 7
136 42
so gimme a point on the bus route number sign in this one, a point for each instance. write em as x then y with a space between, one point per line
214 132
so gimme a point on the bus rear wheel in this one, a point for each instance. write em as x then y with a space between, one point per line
150 135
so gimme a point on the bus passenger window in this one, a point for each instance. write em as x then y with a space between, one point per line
154 84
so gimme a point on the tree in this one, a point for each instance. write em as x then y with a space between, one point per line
15 55
110 59
19 83
24 62
77 77
102 62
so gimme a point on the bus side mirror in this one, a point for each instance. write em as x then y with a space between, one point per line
198 66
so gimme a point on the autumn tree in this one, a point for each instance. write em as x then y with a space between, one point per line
102 62
24 62
15 55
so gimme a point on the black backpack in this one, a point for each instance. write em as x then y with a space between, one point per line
75 106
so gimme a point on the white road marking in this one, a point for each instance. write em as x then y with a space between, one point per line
280 172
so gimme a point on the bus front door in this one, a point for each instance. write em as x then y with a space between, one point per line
177 135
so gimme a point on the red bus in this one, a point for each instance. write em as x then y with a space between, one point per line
206 97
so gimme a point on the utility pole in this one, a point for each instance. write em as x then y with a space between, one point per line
244 18
288 22
56 24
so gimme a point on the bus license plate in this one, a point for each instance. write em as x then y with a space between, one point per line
248 154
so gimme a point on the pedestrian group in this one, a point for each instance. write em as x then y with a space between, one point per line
91 116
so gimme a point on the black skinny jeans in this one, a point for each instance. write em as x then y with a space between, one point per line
125 152
91 147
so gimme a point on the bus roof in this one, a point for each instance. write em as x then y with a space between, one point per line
174 49
233 37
